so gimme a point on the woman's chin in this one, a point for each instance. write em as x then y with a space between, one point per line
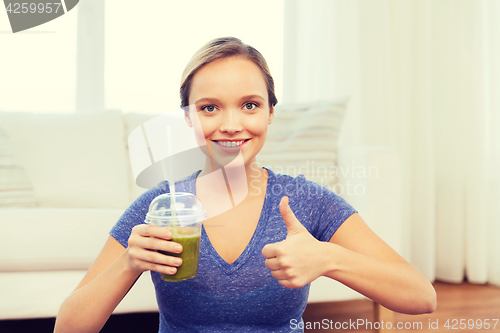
230 161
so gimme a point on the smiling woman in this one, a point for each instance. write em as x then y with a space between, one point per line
257 256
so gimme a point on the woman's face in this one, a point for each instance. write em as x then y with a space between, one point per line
230 98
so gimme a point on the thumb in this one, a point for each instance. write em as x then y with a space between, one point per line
293 225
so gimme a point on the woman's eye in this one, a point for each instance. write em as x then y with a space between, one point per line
250 106
208 108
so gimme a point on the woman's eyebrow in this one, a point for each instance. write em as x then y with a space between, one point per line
252 97
215 100
207 99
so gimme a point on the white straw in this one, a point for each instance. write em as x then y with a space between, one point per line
171 170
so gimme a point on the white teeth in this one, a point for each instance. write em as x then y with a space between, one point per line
230 143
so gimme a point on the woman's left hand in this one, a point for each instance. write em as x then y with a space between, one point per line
297 260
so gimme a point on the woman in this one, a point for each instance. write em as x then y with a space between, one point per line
258 257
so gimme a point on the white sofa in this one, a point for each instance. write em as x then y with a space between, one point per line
82 180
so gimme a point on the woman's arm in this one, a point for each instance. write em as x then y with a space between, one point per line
356 257
112 275
107 281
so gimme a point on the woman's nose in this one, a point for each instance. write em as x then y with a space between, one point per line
231 122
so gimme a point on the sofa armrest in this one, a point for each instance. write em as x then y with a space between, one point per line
369 180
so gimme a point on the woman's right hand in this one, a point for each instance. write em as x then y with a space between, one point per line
143 244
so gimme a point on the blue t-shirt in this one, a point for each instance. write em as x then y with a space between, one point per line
242 296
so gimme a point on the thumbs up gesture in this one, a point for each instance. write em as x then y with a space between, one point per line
297 260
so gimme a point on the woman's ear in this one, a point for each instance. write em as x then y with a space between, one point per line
271 115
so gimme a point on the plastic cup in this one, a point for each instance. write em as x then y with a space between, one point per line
182 213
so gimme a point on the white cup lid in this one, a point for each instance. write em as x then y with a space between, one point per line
183 207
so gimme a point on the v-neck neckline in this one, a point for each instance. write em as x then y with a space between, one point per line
250 247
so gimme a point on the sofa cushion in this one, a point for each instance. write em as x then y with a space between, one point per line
15 187
53 238
132 121
303 139
72 160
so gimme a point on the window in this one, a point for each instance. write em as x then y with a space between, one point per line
148 44
37 66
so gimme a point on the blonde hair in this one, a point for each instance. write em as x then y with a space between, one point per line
220 48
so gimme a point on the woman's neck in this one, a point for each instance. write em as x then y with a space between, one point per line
235 172
241 181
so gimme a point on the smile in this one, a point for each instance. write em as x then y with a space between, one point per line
231 144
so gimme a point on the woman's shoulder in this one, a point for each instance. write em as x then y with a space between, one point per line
282 178
318 208
295 185
302 191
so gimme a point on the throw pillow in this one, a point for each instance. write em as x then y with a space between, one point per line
303 139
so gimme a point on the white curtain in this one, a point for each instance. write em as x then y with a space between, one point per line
424 77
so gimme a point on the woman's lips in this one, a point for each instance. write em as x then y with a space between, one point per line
234 149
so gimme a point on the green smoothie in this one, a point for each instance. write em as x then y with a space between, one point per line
189 255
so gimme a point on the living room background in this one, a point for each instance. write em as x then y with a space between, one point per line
126 57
